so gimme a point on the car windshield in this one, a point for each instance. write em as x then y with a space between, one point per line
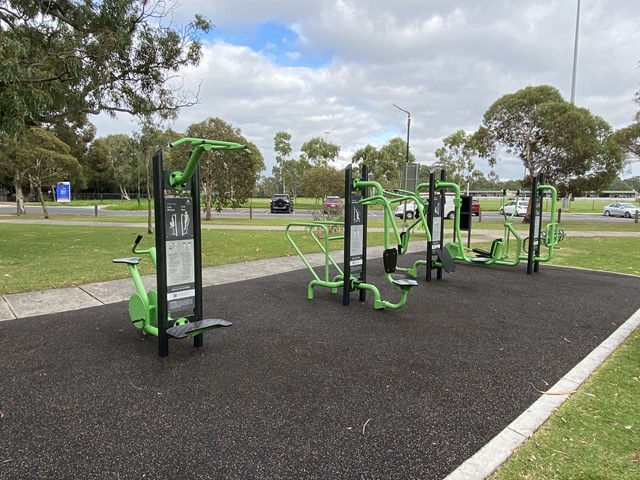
627 205
332 199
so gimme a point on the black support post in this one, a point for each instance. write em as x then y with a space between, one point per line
161 252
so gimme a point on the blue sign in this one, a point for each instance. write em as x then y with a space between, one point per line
63 192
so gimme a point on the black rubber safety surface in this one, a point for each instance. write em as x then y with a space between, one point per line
299 388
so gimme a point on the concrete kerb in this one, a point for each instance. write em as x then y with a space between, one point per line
487 460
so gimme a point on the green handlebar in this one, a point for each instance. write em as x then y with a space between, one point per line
178 179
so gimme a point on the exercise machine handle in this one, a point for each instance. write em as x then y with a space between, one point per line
179 179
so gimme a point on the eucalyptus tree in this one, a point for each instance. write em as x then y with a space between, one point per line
228 178
457 157
319 152
64 59
575 149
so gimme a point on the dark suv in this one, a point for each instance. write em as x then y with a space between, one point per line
281 202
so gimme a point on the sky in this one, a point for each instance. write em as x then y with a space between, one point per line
335 68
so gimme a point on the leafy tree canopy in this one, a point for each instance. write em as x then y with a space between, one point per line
572 147
63 59
228 177
385 165
319 152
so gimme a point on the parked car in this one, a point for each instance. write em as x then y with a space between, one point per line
626 210
409 207
509 207
475 208
281 202
332 203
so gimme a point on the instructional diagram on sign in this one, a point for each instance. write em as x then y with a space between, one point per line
180 253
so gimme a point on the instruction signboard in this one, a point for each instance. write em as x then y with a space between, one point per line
180 254
356 250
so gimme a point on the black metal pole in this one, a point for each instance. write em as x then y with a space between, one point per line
430 212
198 340
161 253
532 224
346 268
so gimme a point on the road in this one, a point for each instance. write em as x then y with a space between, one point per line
8 209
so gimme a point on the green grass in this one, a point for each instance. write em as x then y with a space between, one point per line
595 433
37 257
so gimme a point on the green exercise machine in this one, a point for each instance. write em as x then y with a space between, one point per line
512 248
174 310
352 233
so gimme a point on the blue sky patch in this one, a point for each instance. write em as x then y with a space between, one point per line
276 40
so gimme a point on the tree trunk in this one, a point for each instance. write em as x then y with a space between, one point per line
207 205
124 193
17 185
42 202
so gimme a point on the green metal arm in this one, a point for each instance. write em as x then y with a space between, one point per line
178 179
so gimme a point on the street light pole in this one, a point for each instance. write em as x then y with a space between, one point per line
326 136
575 56
408 127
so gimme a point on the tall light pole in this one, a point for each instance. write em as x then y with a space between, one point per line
326 136
575 56
408 127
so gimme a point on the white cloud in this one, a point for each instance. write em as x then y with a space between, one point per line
445 62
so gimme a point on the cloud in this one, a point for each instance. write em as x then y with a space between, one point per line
338 66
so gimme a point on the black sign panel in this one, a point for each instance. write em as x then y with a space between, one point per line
180 256
356 251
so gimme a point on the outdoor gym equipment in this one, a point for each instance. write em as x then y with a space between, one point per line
175 309
352 276
508 250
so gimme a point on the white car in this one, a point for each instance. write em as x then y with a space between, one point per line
626 210
409 207
509 207
412 210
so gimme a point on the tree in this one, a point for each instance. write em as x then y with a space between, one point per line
228 177
629 140
282 147
49 160
125 163
385 165
99 170
317 182
573 148
65 59
456 155
319 152
15 166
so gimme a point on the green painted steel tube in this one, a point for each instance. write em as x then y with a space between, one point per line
200 145
552 226
324 247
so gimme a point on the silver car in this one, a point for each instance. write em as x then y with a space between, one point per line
509 208
626 210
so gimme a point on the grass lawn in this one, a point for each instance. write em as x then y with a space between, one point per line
595 433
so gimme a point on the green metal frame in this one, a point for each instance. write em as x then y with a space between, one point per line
502 253
334 281
143 304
